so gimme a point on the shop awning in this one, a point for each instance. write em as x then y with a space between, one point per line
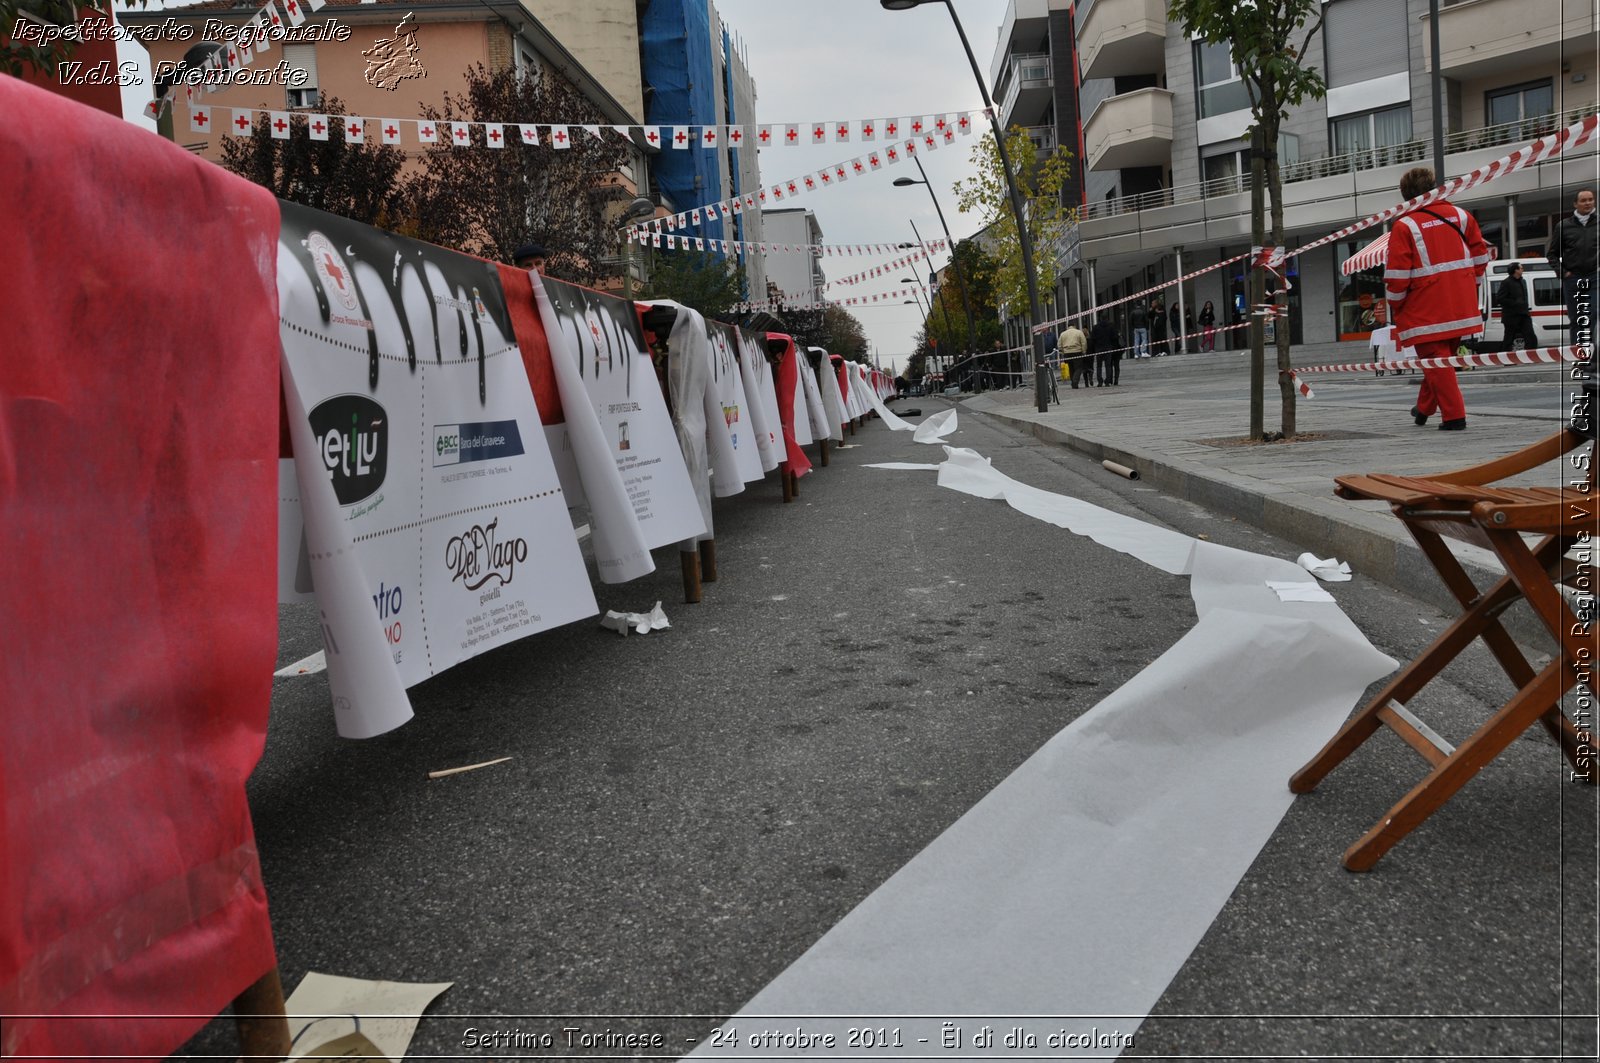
1373 255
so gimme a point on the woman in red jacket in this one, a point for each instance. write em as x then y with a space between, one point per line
1436 255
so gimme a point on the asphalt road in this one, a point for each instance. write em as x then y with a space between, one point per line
686 812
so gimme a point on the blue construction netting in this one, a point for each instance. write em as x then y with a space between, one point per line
676 52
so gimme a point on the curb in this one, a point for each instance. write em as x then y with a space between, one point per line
1380 551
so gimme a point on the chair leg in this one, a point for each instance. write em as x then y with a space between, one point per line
1501 729
263 1028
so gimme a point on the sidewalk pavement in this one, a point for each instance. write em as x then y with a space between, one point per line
1173 419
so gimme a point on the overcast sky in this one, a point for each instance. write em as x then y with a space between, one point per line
829 60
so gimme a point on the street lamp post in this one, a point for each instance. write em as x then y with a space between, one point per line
966 300
1041 382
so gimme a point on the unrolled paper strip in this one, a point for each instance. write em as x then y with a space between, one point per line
643 623
1332 570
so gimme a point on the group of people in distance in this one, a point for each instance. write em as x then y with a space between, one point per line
1092 359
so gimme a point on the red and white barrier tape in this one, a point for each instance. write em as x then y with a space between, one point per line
1537 151
1535 356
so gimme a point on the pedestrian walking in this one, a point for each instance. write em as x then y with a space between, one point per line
1074 348
1138 323
1158 328
1208 323
1107 345
1512 295
1436 255
1573 251
1175 330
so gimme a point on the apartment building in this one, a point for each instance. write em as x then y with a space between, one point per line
797 273
1165 176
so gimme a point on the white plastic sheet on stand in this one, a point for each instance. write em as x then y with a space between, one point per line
832 401
761 399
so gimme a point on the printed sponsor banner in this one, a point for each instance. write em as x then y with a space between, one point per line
434 521
596 342
816 412
728 383
761 397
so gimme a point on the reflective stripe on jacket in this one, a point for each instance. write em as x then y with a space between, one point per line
1431 276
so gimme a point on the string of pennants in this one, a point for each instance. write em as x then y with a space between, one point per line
810 301
254 40
728 247
942 131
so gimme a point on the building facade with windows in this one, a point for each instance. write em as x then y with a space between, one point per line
1166 176
796 273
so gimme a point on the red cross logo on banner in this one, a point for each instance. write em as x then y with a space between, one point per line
494 135
201 118
318 126
940 124
561 136
844 132
963 122
894 156
792 189
810 184
463 133
736 135
391 132
858 166
826 177
866 130
233 57
426 131
764 136
711 136
242 122
763 195
679 137
292 7
651 136
792 136
777 191
280 125
354 128
276 21
818 135
916 127
891 128
529 135
839 170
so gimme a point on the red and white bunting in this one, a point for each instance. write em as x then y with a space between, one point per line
427 132
278 122
242 123
529 134
199 119
560 138
791 135
317 126
390 130
681 137
819 133
494 134
297 17
460 135
355 131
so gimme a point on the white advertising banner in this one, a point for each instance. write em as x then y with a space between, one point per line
832 401
728 383
816 414
434 522
761 396
602 365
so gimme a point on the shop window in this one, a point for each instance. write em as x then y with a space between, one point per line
1362 309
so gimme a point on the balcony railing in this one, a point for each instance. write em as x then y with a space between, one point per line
1043 137
1414 151
1031 70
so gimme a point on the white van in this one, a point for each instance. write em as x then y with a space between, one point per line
1546 303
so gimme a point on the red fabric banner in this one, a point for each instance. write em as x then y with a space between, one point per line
787 379
138 449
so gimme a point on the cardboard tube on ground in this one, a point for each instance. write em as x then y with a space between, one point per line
1120 470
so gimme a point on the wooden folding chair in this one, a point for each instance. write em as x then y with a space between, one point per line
1462 504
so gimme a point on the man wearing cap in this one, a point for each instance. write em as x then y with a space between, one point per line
530 256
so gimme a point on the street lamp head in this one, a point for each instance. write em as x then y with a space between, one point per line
901 5
907 182
908 280
639 208
902 247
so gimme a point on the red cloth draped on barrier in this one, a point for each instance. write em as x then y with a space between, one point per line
787 378
138 447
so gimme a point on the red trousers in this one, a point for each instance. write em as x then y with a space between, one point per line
1439 390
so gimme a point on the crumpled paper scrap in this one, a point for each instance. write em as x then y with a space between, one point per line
643 623
1331 570
1298 591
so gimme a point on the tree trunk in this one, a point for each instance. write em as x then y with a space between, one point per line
1258 336
1282 327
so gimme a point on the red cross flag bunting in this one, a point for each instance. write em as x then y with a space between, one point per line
694 216
461 135
199 119
891 127
292 9
916 126
318 126
777 191
819 134
738 207
811 183
680 137
841 131
874 161
594 131
241 123
855 164
270 13
750 202
791 135
711 212
708 139
560 137
651 136
892 153
911 147
838 171
736 135
655 239
494 134
247 54
278 121
868 130
258 38
529 134
950 134
391 130
764 135
964 123
826 175
931 141
427 132
355 130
